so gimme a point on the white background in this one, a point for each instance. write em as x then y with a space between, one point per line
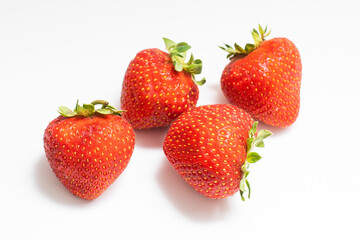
54 52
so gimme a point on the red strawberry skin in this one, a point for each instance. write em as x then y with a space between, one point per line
207 147
153 92
87 154
266 82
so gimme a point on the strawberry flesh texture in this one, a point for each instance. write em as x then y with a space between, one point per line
153 92
88 154
266 83
207 147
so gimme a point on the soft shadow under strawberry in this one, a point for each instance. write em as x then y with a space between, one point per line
50 186
186 199
274 130
218 94
150 138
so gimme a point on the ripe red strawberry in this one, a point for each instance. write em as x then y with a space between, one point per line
159 86
211 147
264 79
88 148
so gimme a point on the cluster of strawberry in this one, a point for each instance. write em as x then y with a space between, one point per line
210 146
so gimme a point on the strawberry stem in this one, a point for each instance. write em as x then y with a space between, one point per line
177 53
100 102
87 110
255 140
237 51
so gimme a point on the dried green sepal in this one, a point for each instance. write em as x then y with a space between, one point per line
237 51
200 82
255 139
66 112
87 110
169 44
104 111
193 66
253 157
177 53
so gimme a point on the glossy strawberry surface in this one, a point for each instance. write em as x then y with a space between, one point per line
207 146
153 92
266 82
87 154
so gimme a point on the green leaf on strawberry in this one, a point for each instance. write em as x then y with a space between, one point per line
177 53
87 154
211 147
87 110
259 38
254 140
264 78
66 112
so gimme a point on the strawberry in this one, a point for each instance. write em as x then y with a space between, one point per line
212 146
264 79
159 86
88 148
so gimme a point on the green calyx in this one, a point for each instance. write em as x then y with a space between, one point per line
87 110
177 53
258 36
254 140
